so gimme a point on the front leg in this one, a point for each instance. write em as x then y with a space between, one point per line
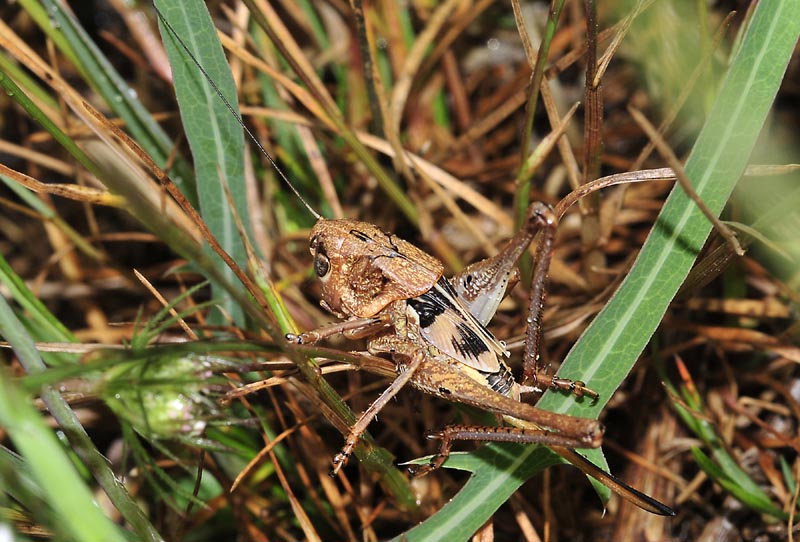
409 357
354 328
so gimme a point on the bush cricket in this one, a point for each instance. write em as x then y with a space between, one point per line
433 328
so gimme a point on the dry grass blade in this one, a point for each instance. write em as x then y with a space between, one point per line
269 20
299 92
686 184
448 182
70 191
416 55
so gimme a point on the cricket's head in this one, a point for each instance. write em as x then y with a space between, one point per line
362 269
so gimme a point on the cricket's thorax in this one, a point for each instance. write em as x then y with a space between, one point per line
362 269
440 321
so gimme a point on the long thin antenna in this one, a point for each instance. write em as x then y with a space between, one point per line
234 113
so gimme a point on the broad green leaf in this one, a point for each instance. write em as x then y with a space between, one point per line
610 346
497 469
214 134
616 338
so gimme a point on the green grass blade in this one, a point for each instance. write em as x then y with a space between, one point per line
497 469
788 475
58 22
23 78
748 492
19 96
723 469
610 346
61 485
41 318
216 139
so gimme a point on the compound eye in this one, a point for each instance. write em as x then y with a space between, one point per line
322 265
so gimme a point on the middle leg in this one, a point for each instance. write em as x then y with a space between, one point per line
413 356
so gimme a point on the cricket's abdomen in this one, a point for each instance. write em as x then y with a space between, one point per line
501 381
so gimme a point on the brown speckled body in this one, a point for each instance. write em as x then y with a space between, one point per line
433 328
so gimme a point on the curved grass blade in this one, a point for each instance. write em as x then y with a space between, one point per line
76 511
497 469
742 486
610 346
723 469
